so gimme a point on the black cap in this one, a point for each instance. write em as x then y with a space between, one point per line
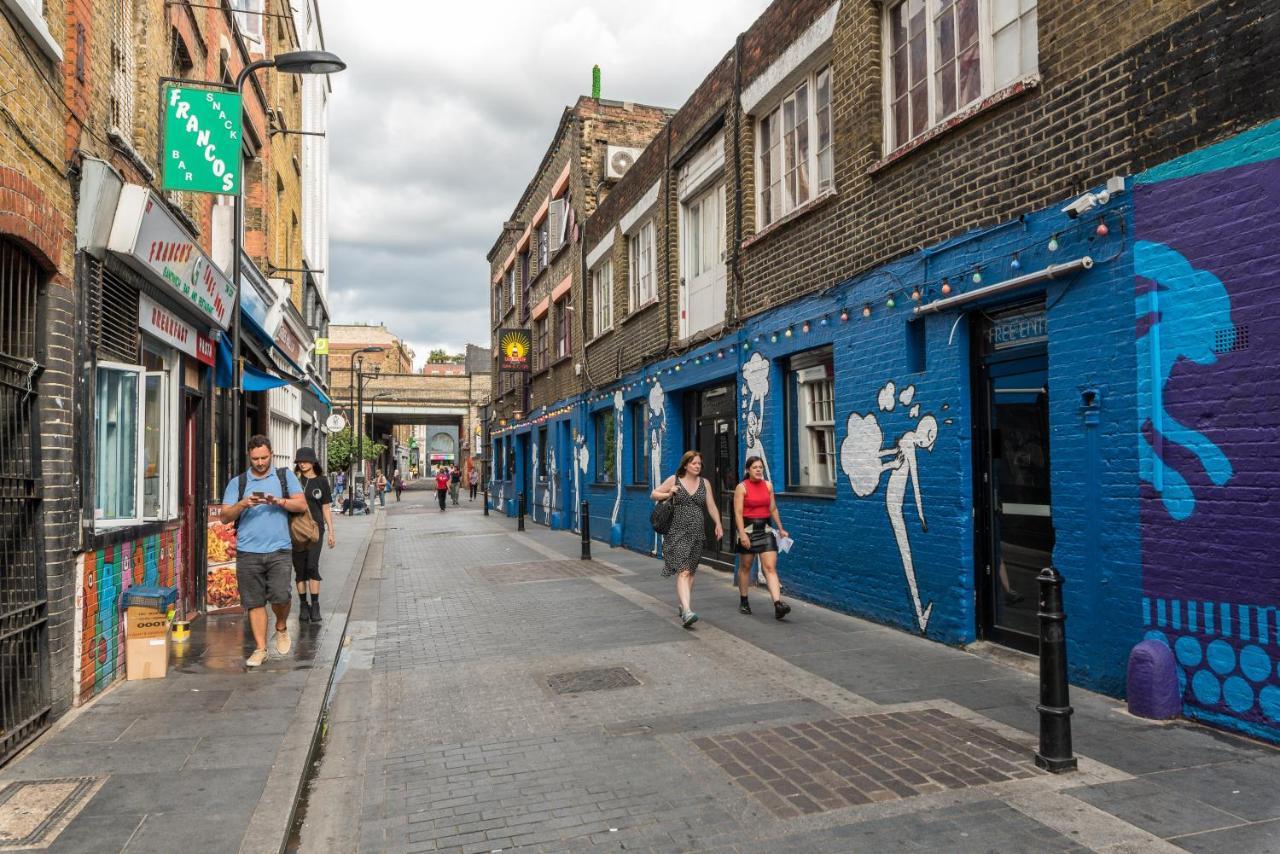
306 455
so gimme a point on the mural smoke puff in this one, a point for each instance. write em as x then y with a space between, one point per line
619 408
657 432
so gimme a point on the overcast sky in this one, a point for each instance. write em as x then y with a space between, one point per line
443 114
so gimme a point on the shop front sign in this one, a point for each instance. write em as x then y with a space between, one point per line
150 239
201 141
288 343
161 323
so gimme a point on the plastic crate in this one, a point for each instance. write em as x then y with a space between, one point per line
150 596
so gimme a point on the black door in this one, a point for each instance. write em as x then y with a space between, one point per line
1015 510
714 425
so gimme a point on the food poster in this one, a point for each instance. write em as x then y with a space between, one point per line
221 592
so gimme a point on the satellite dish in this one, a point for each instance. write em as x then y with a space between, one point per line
334 423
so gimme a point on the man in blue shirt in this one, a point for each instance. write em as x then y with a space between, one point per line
264 561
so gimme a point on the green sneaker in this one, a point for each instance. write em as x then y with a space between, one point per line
688 618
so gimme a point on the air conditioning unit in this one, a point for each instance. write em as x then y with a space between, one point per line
618 159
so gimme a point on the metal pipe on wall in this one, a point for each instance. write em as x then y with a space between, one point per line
1053 271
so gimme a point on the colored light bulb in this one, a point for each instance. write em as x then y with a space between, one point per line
915 294
1015 264
1053 244
1103 231
773 339
787 334
977 277
890 302
946 287
805 328
844 316
866 310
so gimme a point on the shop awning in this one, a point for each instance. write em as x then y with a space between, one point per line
254 378
324 398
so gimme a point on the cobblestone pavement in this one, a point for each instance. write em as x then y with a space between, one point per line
498 693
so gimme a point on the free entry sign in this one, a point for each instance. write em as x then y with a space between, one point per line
202 140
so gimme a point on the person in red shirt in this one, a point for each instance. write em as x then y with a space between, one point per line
753 507
442 486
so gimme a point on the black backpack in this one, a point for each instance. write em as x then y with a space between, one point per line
281 473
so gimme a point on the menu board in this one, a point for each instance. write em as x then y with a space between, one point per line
221 591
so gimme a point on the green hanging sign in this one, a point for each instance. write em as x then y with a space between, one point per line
202 141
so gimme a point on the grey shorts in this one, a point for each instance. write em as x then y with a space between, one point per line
264 577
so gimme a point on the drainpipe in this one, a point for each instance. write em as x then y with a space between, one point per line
1053 271
735 250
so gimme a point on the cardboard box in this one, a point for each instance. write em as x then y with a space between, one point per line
146 651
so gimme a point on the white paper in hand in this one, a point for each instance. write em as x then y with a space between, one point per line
785 544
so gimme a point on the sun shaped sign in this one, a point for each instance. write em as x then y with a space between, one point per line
514 346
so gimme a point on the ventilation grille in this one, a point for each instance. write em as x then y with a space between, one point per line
113 315
1231 340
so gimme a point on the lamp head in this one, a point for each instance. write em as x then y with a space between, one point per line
309 62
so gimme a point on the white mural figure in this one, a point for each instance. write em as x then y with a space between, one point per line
533 471
755 388
863 460
549 494
618 408
581 458
657 432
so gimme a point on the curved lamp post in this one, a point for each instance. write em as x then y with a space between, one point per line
294 62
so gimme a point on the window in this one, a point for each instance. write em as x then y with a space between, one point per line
540 338
639 442
119 443
511 278
541 473
944 55
122 68
158 431
499 300
606 447
249 18
811 447
640 257
544 239
564 329
602 297
795 148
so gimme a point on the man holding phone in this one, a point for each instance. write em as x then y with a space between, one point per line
260 501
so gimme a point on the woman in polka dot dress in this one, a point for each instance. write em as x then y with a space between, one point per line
690 497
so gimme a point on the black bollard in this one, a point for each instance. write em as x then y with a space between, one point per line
486 500
586 530
1055 709
520 514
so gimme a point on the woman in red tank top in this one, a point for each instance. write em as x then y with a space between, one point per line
753 508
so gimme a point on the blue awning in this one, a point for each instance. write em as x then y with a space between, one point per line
324 398
254 378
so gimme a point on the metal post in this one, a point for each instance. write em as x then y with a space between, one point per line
1055 709
359 428
351 425
486 499
585 519
520 513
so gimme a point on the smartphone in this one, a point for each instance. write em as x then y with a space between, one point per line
260 496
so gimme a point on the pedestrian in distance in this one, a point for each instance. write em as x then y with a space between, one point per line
691 502
340 486
473 480
753 507
306 562
442 486
380 487
455 482
398 480
259 502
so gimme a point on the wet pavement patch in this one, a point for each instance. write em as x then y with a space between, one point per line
841 762
34 812
541 570
599 679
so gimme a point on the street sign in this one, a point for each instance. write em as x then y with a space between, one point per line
513 349
322 347
335 422
202 140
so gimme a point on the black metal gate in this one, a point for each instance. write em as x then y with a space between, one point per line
24 651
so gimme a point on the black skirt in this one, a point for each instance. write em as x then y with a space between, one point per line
761 538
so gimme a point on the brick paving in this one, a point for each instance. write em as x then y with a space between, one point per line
841 762
543 570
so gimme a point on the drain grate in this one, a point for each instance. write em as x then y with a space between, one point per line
599 679
34 812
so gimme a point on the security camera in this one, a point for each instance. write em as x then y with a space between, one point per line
1087 202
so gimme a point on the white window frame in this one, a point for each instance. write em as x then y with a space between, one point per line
602 298
139 374
812 395
642 286
30 14
775 195
988 29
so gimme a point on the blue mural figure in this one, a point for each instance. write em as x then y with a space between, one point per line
1181 316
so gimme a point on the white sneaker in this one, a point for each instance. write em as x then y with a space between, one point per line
283 642
256 659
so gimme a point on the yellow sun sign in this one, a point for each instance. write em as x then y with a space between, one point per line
513 349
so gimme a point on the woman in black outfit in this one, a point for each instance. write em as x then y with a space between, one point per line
690 497
306 562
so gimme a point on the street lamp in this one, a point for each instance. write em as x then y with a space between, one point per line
372 424
295 62
357 423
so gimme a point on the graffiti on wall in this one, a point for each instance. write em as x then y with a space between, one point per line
1207 334
618 411
581 460
549 494
657 427
755 388
107 574
864 459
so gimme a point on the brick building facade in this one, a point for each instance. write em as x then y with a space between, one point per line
954 301
126 425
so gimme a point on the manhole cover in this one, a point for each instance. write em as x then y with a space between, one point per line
829 764
34 812
542 570
600 679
